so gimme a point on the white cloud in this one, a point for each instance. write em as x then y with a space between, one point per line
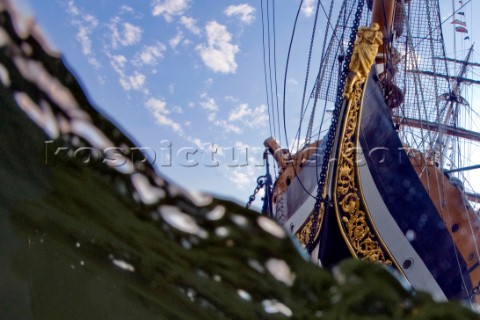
244 12
197 142
136 81
133 82
208 103
219 53
208 83
72 9
118 63
149 55
225 125
124 34
124 9
252 118
176 40
177 109
231 99
292 82
159 110
190 24
244 176
86 24
157 106
241 179
308 8
240 112
83 34
169 8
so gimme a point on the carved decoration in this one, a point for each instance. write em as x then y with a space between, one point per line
349 203
364 52
304 234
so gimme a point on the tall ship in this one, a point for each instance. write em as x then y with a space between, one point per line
382 167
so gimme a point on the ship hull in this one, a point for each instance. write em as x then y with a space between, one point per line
400 212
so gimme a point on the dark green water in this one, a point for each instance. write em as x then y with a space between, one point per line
92 241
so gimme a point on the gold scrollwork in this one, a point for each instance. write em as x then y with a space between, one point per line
350 205
304 234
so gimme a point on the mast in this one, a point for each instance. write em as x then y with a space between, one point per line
454 101
382 13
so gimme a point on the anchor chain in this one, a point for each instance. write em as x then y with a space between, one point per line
333 130
260 184
264 181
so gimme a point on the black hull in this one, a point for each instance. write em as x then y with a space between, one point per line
407 202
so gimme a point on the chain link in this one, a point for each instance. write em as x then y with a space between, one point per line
333 130
260 184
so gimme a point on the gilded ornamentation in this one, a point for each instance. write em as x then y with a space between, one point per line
364 51
349 203
305 232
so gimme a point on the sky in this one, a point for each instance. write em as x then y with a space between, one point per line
185 78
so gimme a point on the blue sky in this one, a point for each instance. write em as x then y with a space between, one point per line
182 75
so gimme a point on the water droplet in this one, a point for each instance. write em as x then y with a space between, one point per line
216 214
336 298
186 244
202 273
4 76
244 295
123 265
181 221
240 221
148 193
221 232
411 235
191 294
255 265
319 314
154 216
199 199
271 227
280 271
274 306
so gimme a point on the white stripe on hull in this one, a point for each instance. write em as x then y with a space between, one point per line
395 240
418 274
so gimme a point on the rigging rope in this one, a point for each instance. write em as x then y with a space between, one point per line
284 98
275 70
270 70
265 69
286 73
307 73
318 81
